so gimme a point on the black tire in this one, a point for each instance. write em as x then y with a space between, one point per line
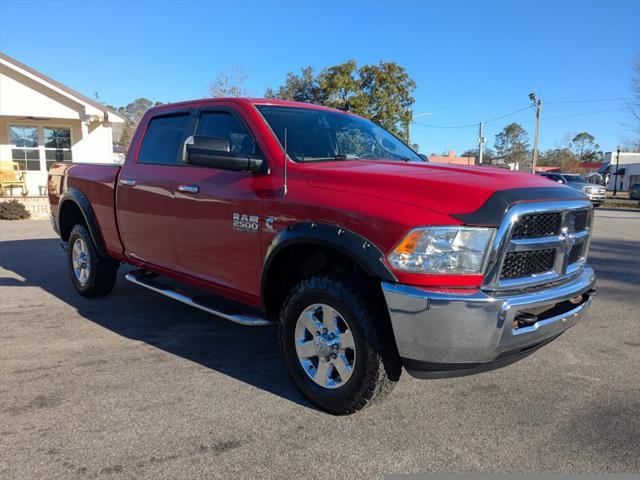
102 273
377 365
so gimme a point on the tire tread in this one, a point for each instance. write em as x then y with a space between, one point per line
382 365
105 269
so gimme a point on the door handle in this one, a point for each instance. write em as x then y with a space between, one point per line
188 188
129 182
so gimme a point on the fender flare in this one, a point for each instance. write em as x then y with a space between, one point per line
363 252
82 202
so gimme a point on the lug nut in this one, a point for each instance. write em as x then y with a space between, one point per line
334 356
326 359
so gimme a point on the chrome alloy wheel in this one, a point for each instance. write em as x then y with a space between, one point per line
325 346
81 261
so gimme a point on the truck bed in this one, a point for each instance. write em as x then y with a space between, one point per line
97 181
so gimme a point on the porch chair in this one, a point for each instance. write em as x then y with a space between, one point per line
12 177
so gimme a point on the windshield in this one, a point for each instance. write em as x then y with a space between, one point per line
314 135
574 179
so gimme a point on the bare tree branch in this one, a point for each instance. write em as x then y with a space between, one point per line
230 84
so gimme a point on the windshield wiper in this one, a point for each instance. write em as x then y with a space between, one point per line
340 156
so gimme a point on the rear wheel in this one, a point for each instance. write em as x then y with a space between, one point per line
334 346
92 275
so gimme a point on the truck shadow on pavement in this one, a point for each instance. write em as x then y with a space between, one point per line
249 354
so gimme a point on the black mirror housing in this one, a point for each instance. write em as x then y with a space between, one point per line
215 152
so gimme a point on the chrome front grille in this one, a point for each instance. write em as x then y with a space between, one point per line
581 219
537 225
576 253
538 243
522 264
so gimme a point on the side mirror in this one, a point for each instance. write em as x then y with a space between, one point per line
423 157
215 152
560 181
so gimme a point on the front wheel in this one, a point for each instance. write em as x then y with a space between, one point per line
334 347
92 275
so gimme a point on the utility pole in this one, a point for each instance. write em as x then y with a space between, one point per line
480 144
615 174
536 102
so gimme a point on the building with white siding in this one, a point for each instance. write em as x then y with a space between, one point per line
43 121
624 170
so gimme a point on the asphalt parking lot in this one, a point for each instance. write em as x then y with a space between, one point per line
137 386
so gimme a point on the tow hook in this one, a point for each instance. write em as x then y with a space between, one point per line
524 319
576 300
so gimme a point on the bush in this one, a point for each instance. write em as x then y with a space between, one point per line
13 210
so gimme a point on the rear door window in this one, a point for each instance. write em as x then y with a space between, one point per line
162 142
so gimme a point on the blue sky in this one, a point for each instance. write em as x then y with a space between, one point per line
471 60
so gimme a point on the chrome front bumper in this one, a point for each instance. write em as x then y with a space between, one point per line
451 333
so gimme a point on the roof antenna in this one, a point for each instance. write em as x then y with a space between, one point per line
284 173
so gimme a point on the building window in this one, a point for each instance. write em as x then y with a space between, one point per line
57 145
24 147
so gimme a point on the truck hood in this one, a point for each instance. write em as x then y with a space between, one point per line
447 189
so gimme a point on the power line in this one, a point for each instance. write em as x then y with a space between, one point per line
598 100
446 142
475 124
500 117
445 126
581 114
507 114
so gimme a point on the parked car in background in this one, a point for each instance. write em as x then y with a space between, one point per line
596 193
634 191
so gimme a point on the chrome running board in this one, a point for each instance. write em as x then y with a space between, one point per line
144 280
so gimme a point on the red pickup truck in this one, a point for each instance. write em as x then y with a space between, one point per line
369 258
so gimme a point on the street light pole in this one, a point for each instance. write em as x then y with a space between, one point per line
413 120
536 102
615 174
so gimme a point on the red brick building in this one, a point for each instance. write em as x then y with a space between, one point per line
451 158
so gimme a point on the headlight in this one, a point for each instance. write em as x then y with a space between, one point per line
442 250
